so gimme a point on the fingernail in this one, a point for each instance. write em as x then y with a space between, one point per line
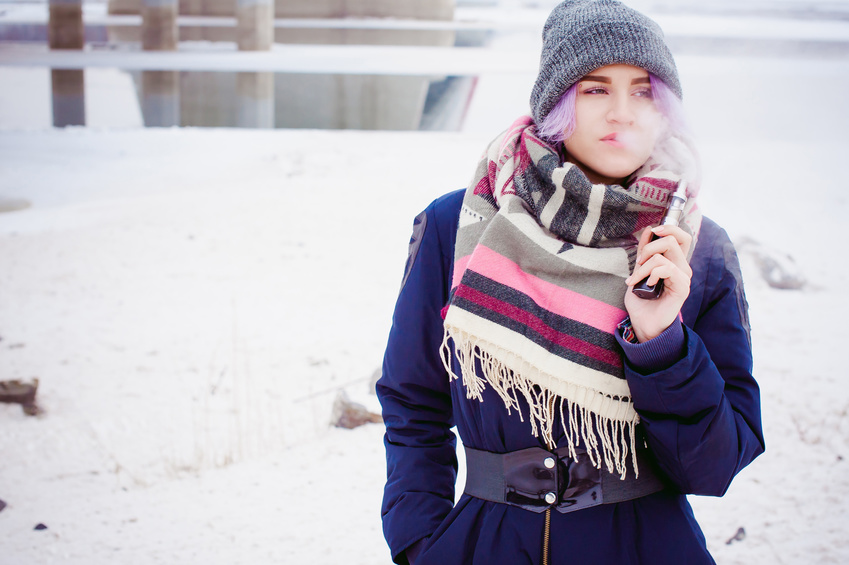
639 256
657 229
628 281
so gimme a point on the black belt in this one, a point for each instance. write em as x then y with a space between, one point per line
536 479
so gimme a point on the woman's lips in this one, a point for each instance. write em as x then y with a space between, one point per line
613 140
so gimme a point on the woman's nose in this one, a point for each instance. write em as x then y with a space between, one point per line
621 111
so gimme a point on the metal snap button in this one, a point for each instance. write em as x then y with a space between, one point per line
550 498
549 462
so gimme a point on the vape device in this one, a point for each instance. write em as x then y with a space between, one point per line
670 218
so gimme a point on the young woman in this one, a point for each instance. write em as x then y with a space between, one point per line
586 412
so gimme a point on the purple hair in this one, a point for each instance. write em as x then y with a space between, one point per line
559 124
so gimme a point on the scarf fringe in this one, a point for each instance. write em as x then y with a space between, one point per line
608 439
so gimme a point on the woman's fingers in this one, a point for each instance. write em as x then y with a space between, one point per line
682 238
647 270
674 245
645 238
660 267
670 234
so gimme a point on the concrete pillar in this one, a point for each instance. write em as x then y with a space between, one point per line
68 89
159 25
124 7
160 98
65 28
255 94
190 7
255 24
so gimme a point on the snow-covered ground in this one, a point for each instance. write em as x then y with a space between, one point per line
193 300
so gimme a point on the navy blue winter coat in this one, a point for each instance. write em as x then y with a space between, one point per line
692 386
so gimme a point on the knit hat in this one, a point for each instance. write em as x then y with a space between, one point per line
583 35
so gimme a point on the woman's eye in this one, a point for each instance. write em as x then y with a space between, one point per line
644 93
595 90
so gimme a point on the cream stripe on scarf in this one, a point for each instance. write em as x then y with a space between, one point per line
556 201
593 215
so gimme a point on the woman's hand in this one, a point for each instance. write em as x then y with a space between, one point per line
664 258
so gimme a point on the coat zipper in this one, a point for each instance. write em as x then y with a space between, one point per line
546 534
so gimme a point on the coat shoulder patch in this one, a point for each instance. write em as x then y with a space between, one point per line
732 264
419 225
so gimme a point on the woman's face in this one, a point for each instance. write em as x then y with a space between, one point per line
616 123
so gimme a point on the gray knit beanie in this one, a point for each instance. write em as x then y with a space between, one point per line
583 35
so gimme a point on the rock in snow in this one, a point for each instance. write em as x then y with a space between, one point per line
348 414
777 268
19 392
739 535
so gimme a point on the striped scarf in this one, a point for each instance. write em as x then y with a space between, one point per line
538 289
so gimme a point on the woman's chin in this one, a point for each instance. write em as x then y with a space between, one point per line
610 175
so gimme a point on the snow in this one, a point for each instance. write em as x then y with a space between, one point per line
192 300
190 331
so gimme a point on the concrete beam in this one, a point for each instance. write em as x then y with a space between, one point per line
415 9
411 9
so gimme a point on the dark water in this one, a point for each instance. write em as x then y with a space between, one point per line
280 100
275 100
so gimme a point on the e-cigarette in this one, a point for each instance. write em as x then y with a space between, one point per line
670 218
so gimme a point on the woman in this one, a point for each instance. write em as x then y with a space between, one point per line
586 412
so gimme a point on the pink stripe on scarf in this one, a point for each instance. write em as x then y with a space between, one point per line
459 268
535 323
560 301
515 129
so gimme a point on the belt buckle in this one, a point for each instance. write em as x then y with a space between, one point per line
579 481
531 479
536 479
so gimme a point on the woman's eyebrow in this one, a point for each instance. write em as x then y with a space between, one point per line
606 80
597 78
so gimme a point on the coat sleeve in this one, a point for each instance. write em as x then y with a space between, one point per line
701 414
414 389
